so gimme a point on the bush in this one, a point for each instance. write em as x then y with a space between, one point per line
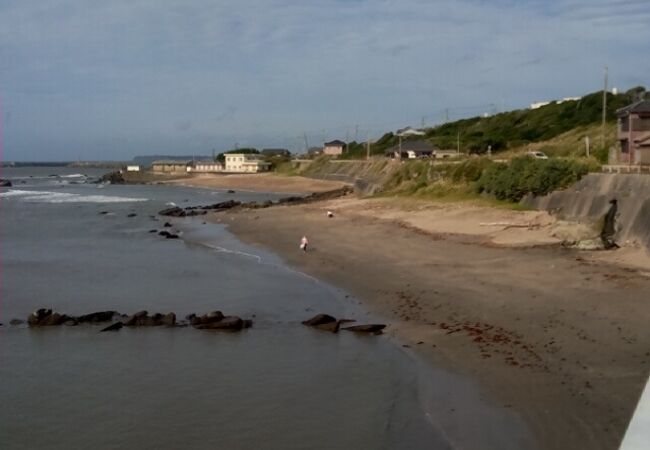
529 176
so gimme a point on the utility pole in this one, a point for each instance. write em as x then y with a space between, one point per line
446 114
604 109
422 122
356 133
367 147
304 135
458 143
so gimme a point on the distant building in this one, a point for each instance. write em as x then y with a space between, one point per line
409 131
170 166
412 150
245 163
276 152
334 147
634 132
133 168
205 167
565 99
315 151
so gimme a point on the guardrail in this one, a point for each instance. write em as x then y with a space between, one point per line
629 168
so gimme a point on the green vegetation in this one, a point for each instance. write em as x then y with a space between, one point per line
529 176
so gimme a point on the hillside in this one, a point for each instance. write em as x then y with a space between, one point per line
561 126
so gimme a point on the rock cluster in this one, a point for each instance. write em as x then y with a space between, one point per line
5 183
329 323
211 321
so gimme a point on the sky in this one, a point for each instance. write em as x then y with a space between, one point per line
107 80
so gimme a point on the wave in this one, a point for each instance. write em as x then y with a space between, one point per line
74 175
63 197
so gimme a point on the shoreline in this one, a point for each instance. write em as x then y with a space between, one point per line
572 370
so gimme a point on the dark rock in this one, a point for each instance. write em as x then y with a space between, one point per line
45 317
230 191
230 323
153 230
136 319
101 316
164 233
223 205
71 323
214 316
173 212
5 183
172 236
131 215
319 319
195 213
167 225
112 327
103 212
370 328
112 178
169 319
16 322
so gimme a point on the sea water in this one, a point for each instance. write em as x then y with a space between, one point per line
70 245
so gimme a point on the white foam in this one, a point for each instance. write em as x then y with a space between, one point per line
63 197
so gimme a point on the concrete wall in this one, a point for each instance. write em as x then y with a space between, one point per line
589 199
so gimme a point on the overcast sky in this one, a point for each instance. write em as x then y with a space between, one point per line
111 79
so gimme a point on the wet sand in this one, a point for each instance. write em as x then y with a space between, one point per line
557 335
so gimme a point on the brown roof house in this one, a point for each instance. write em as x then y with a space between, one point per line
634 132
333 148
412 150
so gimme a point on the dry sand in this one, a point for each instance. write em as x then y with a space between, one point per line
558 335
263 182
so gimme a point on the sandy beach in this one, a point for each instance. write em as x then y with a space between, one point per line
263 182
558 335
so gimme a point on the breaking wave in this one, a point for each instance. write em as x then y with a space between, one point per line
63 197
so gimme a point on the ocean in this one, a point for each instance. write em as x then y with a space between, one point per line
71 245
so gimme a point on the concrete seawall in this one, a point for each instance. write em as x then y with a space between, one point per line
589 200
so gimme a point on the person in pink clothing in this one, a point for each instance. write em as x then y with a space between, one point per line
303 243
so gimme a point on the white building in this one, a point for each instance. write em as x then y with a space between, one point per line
205 167
333 148
133 168
245 163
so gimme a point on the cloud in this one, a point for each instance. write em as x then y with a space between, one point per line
263 69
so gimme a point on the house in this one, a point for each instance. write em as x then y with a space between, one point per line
205 167
170 166
409 131
412 150
334 147
271 152
133 168
245 163
634 132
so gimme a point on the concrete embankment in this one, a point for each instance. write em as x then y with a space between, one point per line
590 198
368 177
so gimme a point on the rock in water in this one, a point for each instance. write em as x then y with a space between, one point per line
5 183
101 316
370 328
169 319
112 327
45 317
319 319
173 212
231 323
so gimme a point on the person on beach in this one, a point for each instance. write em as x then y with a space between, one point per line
330 214
303 243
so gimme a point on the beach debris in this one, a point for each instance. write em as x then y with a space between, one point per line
112 327
5 183
375 328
